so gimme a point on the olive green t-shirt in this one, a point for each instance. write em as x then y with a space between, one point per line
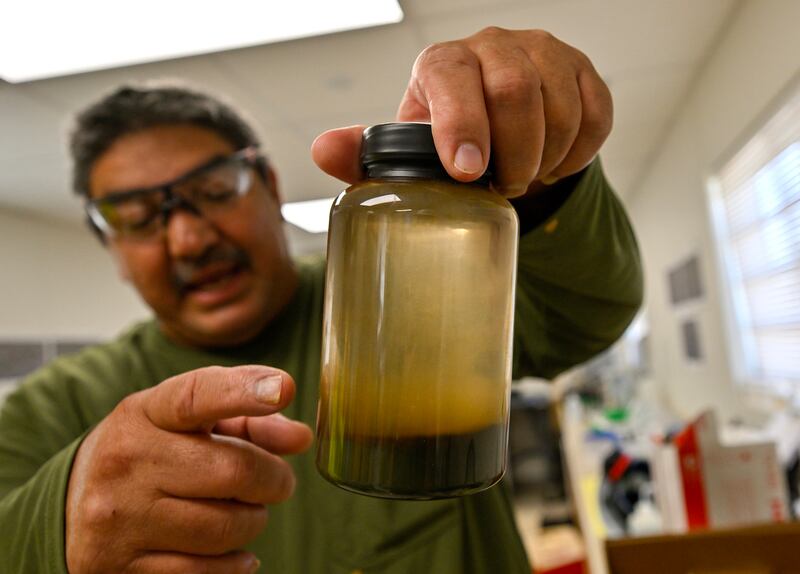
579 285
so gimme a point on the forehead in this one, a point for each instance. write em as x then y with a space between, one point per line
153 156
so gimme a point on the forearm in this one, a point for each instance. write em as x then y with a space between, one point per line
542 201
579 280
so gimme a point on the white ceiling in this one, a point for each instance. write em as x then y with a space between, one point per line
647 50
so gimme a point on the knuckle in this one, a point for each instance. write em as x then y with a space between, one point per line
286 482
227 528
582 59
186 398
116 462
445 54
115 455
513 85
596 126
261 518
126 406
494 31
564 124
241 469
542 36
128 410
99 512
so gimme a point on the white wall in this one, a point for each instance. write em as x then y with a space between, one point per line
757 56
56 281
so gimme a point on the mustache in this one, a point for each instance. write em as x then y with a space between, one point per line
185 270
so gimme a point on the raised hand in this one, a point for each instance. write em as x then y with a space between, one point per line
176 478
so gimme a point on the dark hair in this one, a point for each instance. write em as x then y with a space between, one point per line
129 109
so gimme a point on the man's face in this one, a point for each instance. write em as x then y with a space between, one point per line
210 282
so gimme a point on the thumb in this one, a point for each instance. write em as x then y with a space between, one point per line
337 152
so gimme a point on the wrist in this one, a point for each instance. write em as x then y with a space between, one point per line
542 200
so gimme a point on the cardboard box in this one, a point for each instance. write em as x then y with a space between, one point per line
771 549
701 483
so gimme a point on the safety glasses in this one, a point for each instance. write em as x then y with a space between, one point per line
208 191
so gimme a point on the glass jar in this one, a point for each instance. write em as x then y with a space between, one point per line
417 332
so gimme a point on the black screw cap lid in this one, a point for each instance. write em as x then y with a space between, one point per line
405 150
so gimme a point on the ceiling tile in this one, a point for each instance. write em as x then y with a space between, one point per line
73 92
429 8
618 35
643 105
652 94
625 35
331 74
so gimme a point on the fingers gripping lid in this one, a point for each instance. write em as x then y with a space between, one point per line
405 150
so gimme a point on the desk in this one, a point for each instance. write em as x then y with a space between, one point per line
583 475
768 549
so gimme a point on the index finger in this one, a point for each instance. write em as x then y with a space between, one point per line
196 400
446 81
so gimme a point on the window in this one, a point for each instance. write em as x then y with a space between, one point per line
755 204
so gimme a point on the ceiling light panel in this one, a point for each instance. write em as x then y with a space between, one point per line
311 216
48 38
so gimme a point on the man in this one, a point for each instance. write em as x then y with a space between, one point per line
160 451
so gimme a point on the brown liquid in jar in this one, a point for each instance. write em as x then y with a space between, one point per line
417 331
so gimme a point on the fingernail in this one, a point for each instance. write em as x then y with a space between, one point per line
256 565
548 179
268 389
469 158
514 190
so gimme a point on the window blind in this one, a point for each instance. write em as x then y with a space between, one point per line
758 227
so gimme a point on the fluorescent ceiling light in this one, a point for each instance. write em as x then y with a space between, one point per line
47 38
311 216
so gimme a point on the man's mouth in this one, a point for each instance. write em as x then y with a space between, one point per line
212 277
216 285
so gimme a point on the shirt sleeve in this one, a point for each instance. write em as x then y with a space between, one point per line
42 424
579 280
38 441
32 519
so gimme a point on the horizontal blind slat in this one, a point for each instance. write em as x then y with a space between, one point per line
775 186
769 247
760 194
780 353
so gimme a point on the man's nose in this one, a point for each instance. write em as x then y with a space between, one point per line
189 235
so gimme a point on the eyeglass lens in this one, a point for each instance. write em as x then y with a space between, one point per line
208 192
